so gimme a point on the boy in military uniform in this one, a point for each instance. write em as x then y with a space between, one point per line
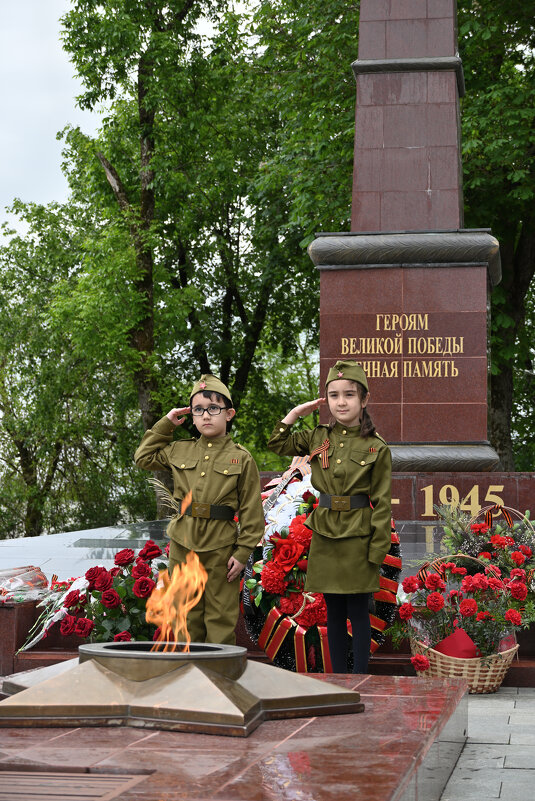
224 480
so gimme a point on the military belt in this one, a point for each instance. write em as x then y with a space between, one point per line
209 511
344 503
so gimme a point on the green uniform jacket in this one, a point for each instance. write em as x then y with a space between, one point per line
356 465
217 471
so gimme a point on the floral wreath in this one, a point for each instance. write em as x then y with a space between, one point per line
286 622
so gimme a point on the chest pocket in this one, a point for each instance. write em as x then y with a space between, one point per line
364 458
186 464
225 468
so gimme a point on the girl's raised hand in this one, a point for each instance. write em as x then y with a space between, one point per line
302 410
176 415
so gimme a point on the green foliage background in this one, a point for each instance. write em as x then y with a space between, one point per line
182 247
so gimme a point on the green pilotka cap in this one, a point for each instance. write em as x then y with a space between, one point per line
349 370
210 383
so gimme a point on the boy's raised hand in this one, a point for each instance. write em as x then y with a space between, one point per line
176 415
302 410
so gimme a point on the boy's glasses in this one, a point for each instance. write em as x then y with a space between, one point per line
212 410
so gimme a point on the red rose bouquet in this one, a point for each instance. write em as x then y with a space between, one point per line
105 604
462 607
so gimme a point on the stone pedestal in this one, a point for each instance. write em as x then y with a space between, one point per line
412 309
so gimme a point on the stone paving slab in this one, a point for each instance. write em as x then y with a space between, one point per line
498 760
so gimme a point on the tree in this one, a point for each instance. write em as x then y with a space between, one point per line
497 41
65 448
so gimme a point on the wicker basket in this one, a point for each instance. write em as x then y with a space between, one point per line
482 674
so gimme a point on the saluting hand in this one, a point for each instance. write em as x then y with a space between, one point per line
175 415
302 410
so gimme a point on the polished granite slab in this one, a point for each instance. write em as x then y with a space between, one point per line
403 747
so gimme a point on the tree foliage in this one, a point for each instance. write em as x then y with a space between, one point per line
183 245
497 43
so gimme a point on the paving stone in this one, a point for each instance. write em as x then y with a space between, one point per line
472 785
520 756
477 756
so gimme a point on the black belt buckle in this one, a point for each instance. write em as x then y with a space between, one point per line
340 503
200 510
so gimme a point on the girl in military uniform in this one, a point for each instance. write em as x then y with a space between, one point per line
224 481
351 467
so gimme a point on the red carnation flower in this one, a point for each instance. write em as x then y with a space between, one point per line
518 573
410 584
313 614
272 579
289 606
526 550
111 599
484 555
143 587
495 583
149 551
406 611
518 590
480 582
420 662
434 582
468 607
435 602
467 584
484 616
84 627
459 571
514 617
479 528
125 557
141 569
498 542
67 625
123 636
299 532
518 558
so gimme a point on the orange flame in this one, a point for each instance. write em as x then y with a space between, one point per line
172 599
186 503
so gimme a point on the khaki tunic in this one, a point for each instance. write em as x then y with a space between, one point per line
218 472
347 548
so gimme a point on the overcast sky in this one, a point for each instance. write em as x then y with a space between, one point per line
38 91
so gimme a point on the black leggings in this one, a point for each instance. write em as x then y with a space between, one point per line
339 609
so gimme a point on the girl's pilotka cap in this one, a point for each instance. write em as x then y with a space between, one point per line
349 370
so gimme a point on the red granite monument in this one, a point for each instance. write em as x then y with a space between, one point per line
406 292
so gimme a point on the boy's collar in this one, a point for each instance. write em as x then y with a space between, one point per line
213 442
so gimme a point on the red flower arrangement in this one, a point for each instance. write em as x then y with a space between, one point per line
282 571
483 606
505 539
105 604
